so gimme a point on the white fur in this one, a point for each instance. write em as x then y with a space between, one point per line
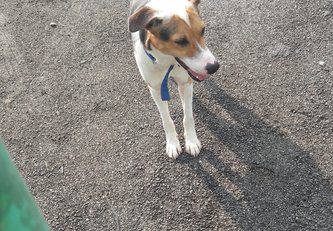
165 9
153 74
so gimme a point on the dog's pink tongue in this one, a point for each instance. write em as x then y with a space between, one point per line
199 76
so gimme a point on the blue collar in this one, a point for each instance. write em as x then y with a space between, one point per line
150 56
165 95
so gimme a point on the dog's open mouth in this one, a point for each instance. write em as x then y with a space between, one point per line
194 75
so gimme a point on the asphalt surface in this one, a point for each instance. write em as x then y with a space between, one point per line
81 126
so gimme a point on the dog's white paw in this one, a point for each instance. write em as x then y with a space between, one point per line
173 149
193 146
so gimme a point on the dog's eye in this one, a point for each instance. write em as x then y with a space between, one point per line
182 42
203 31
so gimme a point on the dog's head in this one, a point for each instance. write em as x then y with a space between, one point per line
175 28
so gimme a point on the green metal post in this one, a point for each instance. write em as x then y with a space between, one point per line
18 210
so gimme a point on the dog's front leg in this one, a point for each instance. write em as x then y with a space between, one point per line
192 144
173 148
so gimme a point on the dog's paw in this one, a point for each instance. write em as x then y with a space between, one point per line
193 146
173 149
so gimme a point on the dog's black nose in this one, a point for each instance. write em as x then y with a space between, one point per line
212 67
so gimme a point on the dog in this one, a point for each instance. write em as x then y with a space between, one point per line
168 40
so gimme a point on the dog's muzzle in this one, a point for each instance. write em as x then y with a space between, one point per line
211 68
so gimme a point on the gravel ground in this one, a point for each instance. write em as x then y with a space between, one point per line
81 126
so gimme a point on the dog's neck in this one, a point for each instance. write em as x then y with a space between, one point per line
158 58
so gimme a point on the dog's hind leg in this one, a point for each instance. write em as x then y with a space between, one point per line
173 148
192 144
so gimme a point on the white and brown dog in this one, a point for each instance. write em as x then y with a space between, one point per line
168 39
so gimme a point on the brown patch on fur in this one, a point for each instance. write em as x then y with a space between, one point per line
195 2
179 29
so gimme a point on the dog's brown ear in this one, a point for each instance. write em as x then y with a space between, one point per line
195 2
140 19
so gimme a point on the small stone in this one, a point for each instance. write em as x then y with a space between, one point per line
53 24
8 101
321 63
61 169
279 50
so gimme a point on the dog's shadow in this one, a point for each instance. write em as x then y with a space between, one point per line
283 189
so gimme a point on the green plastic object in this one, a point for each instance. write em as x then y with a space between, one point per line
18 210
